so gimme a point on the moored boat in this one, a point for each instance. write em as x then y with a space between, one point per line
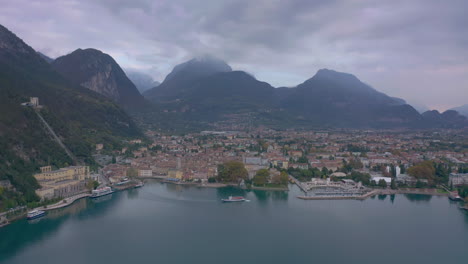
234 199
140 184
454 196
101 192
35 214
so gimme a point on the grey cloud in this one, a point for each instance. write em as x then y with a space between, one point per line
403 48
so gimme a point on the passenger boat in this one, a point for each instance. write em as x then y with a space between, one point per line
232 199
35 214
101 192
454 196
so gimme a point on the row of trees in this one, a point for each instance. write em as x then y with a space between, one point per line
308 174
232 171
435 173
235 172
263 177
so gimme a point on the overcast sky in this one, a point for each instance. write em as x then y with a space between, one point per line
416 50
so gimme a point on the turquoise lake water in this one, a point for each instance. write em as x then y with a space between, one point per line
165 223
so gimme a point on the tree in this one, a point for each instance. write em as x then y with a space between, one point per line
355 163
324 171
284 178
113 159
281 178
393 184
261 177
419 184
92 185
232 171
211 179
402 169
302 159
132 172
423 170
382 183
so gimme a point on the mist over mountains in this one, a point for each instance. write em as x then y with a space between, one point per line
461 109
209 88
206 90
142 81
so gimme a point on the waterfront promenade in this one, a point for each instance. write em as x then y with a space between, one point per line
64 203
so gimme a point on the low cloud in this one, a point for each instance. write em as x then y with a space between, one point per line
416 50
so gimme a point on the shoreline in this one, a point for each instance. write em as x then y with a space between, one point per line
214 185
269 188
68 201
374 192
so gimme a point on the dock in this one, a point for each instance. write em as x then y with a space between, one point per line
299 184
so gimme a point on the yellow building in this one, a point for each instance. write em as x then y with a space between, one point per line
281 164
63 182
175 174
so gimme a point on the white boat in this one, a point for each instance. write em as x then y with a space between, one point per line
101 192
35 214
232 199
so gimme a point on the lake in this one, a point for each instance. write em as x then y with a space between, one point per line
166 223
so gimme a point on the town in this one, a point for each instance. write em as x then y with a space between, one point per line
376 159
335 164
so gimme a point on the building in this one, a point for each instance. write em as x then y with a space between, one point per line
458 179
255 161
175 174
283 164
63 182
338 174
397 171
145 173
387 180
34 101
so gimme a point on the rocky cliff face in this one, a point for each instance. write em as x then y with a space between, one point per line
104 83
99 72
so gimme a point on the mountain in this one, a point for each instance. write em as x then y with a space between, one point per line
399 100
462 110
80 117
184 75
45 57
99 72
143 82
226 92
421 108
342 100
210 90
447 119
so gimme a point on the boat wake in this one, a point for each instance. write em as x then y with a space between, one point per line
155 197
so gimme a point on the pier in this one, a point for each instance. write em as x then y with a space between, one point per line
299 184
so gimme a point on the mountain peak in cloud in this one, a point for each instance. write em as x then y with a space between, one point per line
200 66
